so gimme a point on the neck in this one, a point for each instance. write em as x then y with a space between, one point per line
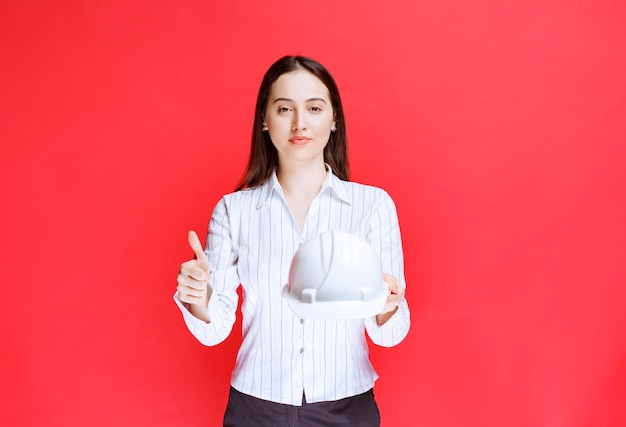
302 179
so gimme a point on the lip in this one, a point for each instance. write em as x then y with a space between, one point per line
299 140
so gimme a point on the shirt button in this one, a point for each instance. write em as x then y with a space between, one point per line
301 320
301 350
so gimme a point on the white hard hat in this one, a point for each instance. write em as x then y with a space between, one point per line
336 275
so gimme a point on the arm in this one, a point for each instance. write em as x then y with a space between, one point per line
211 319
392 325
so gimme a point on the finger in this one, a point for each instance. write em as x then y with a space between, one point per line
393 288
187 282
192 292
189 299
397 293
392 283
190 286
392 302
201 258
395 299
191 269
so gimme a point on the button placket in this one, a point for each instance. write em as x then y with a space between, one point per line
301 335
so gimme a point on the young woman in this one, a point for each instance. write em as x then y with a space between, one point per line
289 370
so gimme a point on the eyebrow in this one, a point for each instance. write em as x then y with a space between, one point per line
291 100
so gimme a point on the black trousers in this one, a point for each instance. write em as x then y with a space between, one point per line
247 411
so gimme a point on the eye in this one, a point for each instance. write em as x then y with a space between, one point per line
315 109
284 109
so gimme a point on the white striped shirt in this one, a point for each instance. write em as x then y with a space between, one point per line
251 241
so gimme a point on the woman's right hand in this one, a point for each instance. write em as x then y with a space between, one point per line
193 286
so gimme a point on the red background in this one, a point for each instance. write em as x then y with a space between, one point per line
497 127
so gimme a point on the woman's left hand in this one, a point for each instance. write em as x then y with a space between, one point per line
396 293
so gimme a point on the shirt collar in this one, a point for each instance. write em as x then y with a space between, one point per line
331 183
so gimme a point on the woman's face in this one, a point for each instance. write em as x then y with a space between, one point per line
299 117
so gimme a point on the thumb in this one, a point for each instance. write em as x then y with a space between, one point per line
196 246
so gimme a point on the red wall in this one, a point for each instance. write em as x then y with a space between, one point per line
498 127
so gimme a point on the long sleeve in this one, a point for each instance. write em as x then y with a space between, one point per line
224 282
384 236
252 239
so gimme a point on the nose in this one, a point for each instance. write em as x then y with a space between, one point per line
299 122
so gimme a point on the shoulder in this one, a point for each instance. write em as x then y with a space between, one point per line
359 191
244 199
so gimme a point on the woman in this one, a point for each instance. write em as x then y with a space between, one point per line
293 371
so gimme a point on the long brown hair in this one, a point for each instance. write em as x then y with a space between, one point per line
263 155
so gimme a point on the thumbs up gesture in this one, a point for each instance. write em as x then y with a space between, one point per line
193 280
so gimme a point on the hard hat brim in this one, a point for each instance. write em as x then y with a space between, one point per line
336 310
